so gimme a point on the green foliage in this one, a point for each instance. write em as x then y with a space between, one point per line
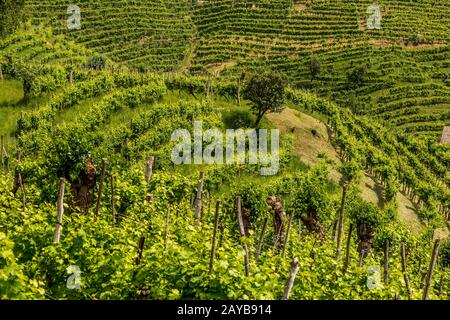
266 91
315 67
12 13
236 119
358 76
363 212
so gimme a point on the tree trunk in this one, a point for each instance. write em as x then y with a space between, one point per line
82 188
100 188
259 118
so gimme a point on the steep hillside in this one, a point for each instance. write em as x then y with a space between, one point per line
406 60
93 205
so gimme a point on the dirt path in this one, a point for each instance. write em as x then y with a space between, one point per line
312 139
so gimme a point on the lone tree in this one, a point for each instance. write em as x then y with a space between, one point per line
266 91
358 76
315 67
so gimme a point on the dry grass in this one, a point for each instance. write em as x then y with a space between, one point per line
309 146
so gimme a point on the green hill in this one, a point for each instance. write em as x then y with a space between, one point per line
88 181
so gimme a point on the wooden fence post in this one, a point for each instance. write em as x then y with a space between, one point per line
242 234
286 239
100 188
149 168
431 269
198 204
60 206
290 283
213 245
347 253
386 262
261 238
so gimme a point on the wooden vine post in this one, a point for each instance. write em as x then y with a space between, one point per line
213 245
113 209
286 239
2 147
261 238
347 252
405 275
290 283
5 156
22 188
149 168
166 231
100 187
239 91
340 226
140 250
242 234
198 201
386 262
434 255
60 206
1 72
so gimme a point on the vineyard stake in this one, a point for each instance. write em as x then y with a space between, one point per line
166 231
341 220
113 201
1 150
242 234
213 245
198 204
286 239
441 285
141 249
100 188
386 261
239 90
1 72
333 234
347 253
290 283
261 238
149 168
431 269
60 205
405 275
222 229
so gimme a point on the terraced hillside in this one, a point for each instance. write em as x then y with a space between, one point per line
92 205
406 59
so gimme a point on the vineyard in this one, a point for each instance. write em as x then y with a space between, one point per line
93 207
